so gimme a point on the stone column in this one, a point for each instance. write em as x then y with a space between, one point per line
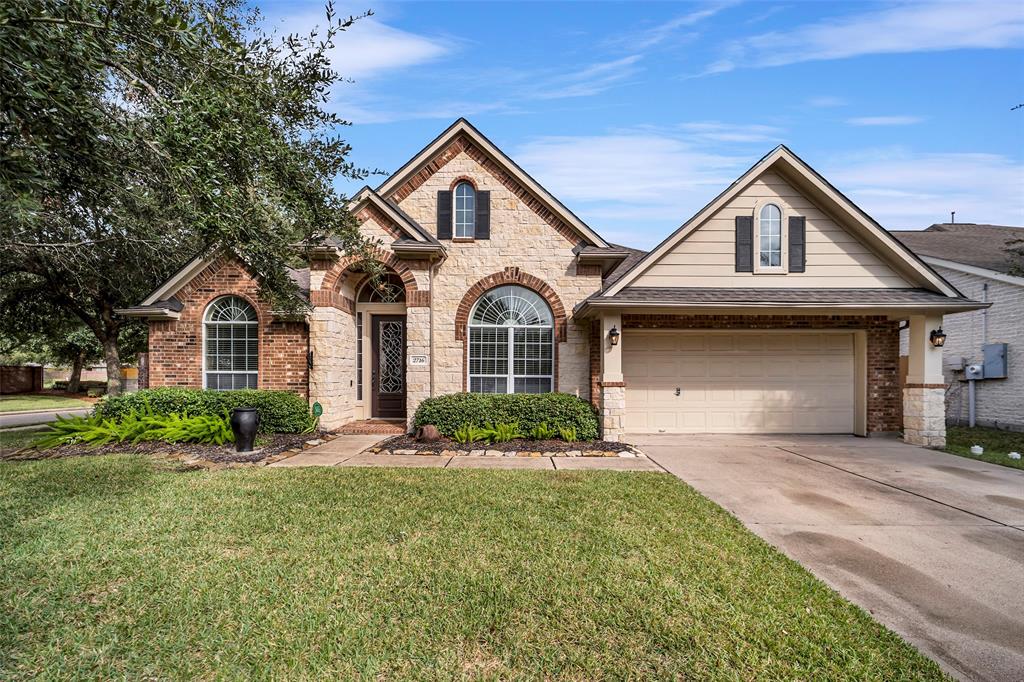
924 395
613 388
417 359
332 379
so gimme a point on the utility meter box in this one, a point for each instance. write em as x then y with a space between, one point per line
974 371
994 360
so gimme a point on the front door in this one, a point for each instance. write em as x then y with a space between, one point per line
388 367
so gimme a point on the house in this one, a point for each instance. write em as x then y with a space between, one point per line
775 309
975 260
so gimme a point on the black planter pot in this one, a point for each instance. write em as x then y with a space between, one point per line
245 421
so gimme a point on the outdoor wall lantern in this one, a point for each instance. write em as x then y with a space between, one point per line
613 336
937 337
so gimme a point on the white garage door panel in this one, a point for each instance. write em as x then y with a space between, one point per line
739 382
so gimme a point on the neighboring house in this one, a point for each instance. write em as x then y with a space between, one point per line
775 309
974 259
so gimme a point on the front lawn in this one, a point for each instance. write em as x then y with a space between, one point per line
39 401
118 567
12 440
997 444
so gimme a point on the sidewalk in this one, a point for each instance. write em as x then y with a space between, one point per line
349 451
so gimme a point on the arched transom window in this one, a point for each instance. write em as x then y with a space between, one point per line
770 231
465 210
511 343
231 333
387 288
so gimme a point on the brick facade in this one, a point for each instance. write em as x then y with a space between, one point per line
883 388
175 346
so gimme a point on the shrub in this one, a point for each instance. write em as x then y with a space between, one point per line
568 434
280 411
558 410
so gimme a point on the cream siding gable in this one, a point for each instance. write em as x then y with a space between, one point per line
835 257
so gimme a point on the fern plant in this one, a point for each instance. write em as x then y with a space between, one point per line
543 432
568 434
137 427
465 434
503 433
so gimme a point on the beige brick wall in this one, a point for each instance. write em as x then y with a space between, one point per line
1000 402
519 238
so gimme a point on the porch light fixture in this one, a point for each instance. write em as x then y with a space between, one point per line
937 337
613 336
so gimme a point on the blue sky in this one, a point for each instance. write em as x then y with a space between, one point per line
637 114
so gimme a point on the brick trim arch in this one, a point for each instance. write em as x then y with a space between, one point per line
329 293
463 178
511 275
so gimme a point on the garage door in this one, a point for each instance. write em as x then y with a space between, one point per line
738 382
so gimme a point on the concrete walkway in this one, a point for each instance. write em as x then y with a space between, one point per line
349 451
931 544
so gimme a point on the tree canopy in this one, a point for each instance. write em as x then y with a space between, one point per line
138 134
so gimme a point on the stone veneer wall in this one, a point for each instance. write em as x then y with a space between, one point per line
883 388
924 422
520 237
175 346
333 328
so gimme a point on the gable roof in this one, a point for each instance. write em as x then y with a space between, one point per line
818 189
983 246
462 127
412 229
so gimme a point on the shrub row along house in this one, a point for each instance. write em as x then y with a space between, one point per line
776 308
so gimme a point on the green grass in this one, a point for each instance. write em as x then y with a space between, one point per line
113 568
997 444
27 403
12 440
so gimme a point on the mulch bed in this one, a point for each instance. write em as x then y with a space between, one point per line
401 445
276 446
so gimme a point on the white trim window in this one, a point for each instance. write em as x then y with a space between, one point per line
465 210
511 343
230 344
769 231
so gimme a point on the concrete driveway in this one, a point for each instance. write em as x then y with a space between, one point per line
932 545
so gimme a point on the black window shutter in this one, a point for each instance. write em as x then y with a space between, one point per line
444 214
744 243
797 244
483 215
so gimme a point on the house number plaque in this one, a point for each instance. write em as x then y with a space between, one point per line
417 359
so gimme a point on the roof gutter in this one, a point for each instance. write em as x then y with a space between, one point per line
589 307
148 312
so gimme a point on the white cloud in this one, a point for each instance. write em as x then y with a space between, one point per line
915 27
634 187
905 190
716 131
650 37
586 81
884 120
370 47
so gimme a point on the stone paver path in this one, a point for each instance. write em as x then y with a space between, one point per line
350 451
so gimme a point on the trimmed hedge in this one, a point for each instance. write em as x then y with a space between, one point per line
280 411
559 410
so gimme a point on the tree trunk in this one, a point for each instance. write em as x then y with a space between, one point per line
113 360
74 383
